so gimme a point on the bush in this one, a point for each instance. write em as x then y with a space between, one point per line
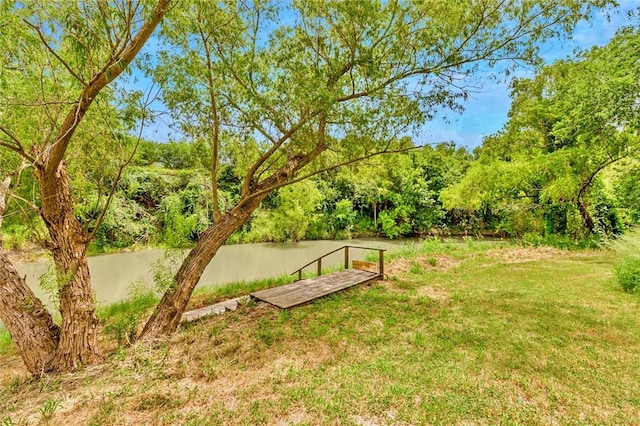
628 274
16 236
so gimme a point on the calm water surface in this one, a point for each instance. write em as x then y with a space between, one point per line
112 275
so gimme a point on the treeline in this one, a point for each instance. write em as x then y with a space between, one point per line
164 198
564 169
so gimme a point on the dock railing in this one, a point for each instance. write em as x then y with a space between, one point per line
346 260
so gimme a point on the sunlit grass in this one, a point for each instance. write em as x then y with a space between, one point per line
207 295
501 334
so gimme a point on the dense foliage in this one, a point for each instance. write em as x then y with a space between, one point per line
166 199
551 170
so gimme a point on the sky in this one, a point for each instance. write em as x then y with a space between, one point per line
486 110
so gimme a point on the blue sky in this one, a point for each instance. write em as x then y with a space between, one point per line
486 111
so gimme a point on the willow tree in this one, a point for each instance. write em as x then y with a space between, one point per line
568 124
286 84
57 60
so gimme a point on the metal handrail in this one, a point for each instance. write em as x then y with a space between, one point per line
346 260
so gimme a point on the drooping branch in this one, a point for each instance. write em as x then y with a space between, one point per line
51 50
14 144
113 68
301 178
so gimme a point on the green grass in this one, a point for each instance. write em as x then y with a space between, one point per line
6 345
210 295
476 333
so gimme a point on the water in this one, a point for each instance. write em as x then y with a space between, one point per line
112 275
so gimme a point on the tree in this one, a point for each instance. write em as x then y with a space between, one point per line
58 58
347 77
570 122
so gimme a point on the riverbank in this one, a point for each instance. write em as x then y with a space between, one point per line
115 276
472 333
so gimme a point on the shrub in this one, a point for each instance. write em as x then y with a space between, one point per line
628 274
16 236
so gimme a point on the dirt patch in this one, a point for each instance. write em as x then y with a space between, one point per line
434 262
13 371
440 262
397 267
524 254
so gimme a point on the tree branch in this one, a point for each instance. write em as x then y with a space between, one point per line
118 177
274 147
51 50
98 82
333 167
14 144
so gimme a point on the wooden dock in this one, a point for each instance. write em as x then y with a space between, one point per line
299 292
303 291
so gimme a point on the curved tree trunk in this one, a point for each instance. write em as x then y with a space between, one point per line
24 315
68 245
587 219
28 321
166 317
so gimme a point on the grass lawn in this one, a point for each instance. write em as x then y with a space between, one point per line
460 334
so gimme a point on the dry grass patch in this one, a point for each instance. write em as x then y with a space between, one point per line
480 341
434 293
221 368
434 262
525 254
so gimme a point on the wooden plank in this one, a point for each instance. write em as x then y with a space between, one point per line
299 292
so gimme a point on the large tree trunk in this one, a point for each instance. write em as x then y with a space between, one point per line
166 318
68 245
28 321
75 342
24 315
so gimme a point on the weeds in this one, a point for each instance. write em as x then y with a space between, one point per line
8 421
210 295
627 270
48 410
416 267
563 242
122 319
